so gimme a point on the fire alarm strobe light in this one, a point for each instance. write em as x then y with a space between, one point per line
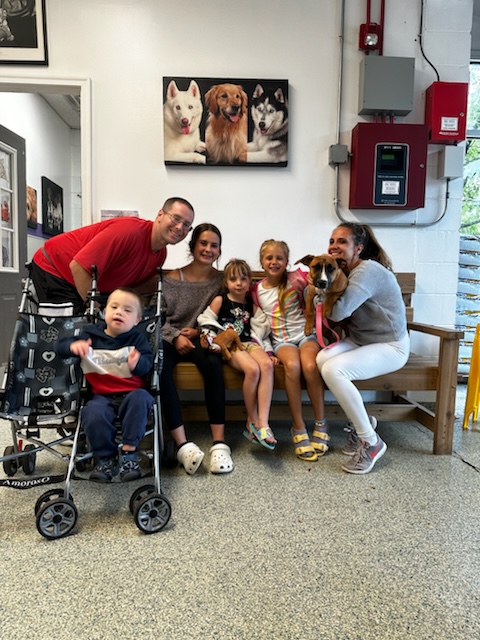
370 36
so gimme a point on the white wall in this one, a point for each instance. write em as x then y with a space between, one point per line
51 150
126 46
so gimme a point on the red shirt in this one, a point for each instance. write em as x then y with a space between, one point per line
121 249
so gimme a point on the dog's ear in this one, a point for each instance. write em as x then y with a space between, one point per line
172 89
279 95
258 91
211 99
305 260
194 89
342 264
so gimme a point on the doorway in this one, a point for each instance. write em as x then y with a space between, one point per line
47 87
66 87
13 232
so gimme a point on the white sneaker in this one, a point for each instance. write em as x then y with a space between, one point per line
190 456
221 458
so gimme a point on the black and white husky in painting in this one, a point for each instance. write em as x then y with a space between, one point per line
269 111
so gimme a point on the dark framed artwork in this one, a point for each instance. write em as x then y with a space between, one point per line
52 207
225 121
23 32
32 211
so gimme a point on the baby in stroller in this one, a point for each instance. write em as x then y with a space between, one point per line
114 357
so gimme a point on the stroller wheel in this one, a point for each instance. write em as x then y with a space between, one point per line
29 462
139 494
49 495
10 466
57 518
152 513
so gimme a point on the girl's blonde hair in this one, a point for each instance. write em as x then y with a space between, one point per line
282 286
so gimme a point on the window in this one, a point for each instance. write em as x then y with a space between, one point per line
471 170
8 209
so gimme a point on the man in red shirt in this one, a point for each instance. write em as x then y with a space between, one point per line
126 251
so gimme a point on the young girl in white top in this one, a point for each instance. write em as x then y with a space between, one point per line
280 295
235 309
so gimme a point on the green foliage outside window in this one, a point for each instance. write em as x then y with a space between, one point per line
471 169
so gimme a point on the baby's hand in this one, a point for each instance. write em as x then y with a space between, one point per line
133 358
81 348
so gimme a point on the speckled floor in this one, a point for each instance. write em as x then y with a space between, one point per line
279 549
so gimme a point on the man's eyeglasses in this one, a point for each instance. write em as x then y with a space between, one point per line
186 226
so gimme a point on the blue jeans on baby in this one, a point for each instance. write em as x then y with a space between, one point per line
99 417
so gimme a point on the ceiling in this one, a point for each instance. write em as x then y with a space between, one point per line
66 106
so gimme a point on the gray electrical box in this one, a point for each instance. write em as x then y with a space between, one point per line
386 86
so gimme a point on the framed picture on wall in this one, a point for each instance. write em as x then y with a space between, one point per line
225 121
52 207
23 33
32 211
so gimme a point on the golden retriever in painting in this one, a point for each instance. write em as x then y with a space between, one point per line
31 207
226 133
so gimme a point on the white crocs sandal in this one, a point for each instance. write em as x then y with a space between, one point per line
190 456
221 459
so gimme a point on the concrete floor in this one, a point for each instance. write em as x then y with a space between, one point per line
279 549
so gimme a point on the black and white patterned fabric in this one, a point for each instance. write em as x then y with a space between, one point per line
39 385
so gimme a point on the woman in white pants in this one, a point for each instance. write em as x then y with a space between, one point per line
377 341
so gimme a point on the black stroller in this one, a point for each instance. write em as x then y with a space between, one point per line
43 395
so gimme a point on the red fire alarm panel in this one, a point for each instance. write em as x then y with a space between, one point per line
389 164
446 112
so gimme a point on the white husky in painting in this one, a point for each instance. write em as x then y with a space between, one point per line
182 114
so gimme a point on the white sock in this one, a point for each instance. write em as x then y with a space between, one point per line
372 440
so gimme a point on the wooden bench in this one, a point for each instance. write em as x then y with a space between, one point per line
421 373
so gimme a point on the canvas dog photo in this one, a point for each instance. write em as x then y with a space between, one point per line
52 207
225 121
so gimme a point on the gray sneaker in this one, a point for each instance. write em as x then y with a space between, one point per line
351 446
366 457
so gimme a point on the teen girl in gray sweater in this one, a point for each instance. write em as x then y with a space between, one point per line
377 341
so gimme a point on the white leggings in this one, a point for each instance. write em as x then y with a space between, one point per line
346 361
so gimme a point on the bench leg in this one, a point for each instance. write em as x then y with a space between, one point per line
445 397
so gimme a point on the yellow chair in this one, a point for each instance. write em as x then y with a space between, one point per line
473 388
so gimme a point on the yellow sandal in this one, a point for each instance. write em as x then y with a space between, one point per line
320 439
303 452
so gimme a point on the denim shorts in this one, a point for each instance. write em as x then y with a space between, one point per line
312 338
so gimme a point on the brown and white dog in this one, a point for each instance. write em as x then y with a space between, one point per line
226 133
223 343
329 277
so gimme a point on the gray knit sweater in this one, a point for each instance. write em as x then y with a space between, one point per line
183 302
373 304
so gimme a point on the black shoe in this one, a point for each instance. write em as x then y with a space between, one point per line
104 470
129 466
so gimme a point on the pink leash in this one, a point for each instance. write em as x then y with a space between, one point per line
320 323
